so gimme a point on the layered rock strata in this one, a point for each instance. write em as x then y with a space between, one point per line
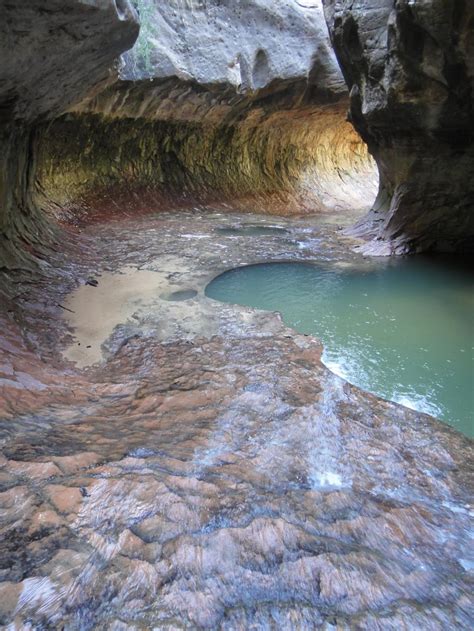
410 70
51 57
208 104
308 155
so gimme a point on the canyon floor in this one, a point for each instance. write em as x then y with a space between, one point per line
184 463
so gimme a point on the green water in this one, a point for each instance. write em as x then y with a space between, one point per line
404 331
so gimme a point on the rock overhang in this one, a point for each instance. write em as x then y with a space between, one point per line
410 71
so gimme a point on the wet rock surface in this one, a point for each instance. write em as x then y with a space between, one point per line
198 466
211 472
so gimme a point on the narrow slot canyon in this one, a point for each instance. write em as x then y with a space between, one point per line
236 311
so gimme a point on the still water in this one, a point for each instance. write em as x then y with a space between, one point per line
403 331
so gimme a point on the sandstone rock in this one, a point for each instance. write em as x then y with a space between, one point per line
34 470
50 58
71 464
409 68
227 487
216 437
65 566
222 67
9 595
65 499
44 518
252 119
242 44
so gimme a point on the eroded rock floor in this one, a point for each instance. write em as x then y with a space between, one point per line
211 473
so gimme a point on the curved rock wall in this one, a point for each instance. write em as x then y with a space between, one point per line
208 104
410 70
309 156
241 97
51 57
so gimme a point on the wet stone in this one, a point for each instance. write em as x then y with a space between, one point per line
9 595
208 471
184 294
34 470
252 231
71 464
65 499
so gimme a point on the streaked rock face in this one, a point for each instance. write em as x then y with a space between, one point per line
51 57
209 103
410 69
308 156
243 116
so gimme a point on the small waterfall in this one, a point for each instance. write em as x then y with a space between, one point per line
323 441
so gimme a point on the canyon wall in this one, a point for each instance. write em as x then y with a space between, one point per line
223 100
307 156
410 70
51 57
210 103
237 100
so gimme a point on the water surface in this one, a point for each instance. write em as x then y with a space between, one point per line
248 230
403 331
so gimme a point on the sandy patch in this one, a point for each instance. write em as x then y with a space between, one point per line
96 311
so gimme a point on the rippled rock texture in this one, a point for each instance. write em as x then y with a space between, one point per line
212 473
410 69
